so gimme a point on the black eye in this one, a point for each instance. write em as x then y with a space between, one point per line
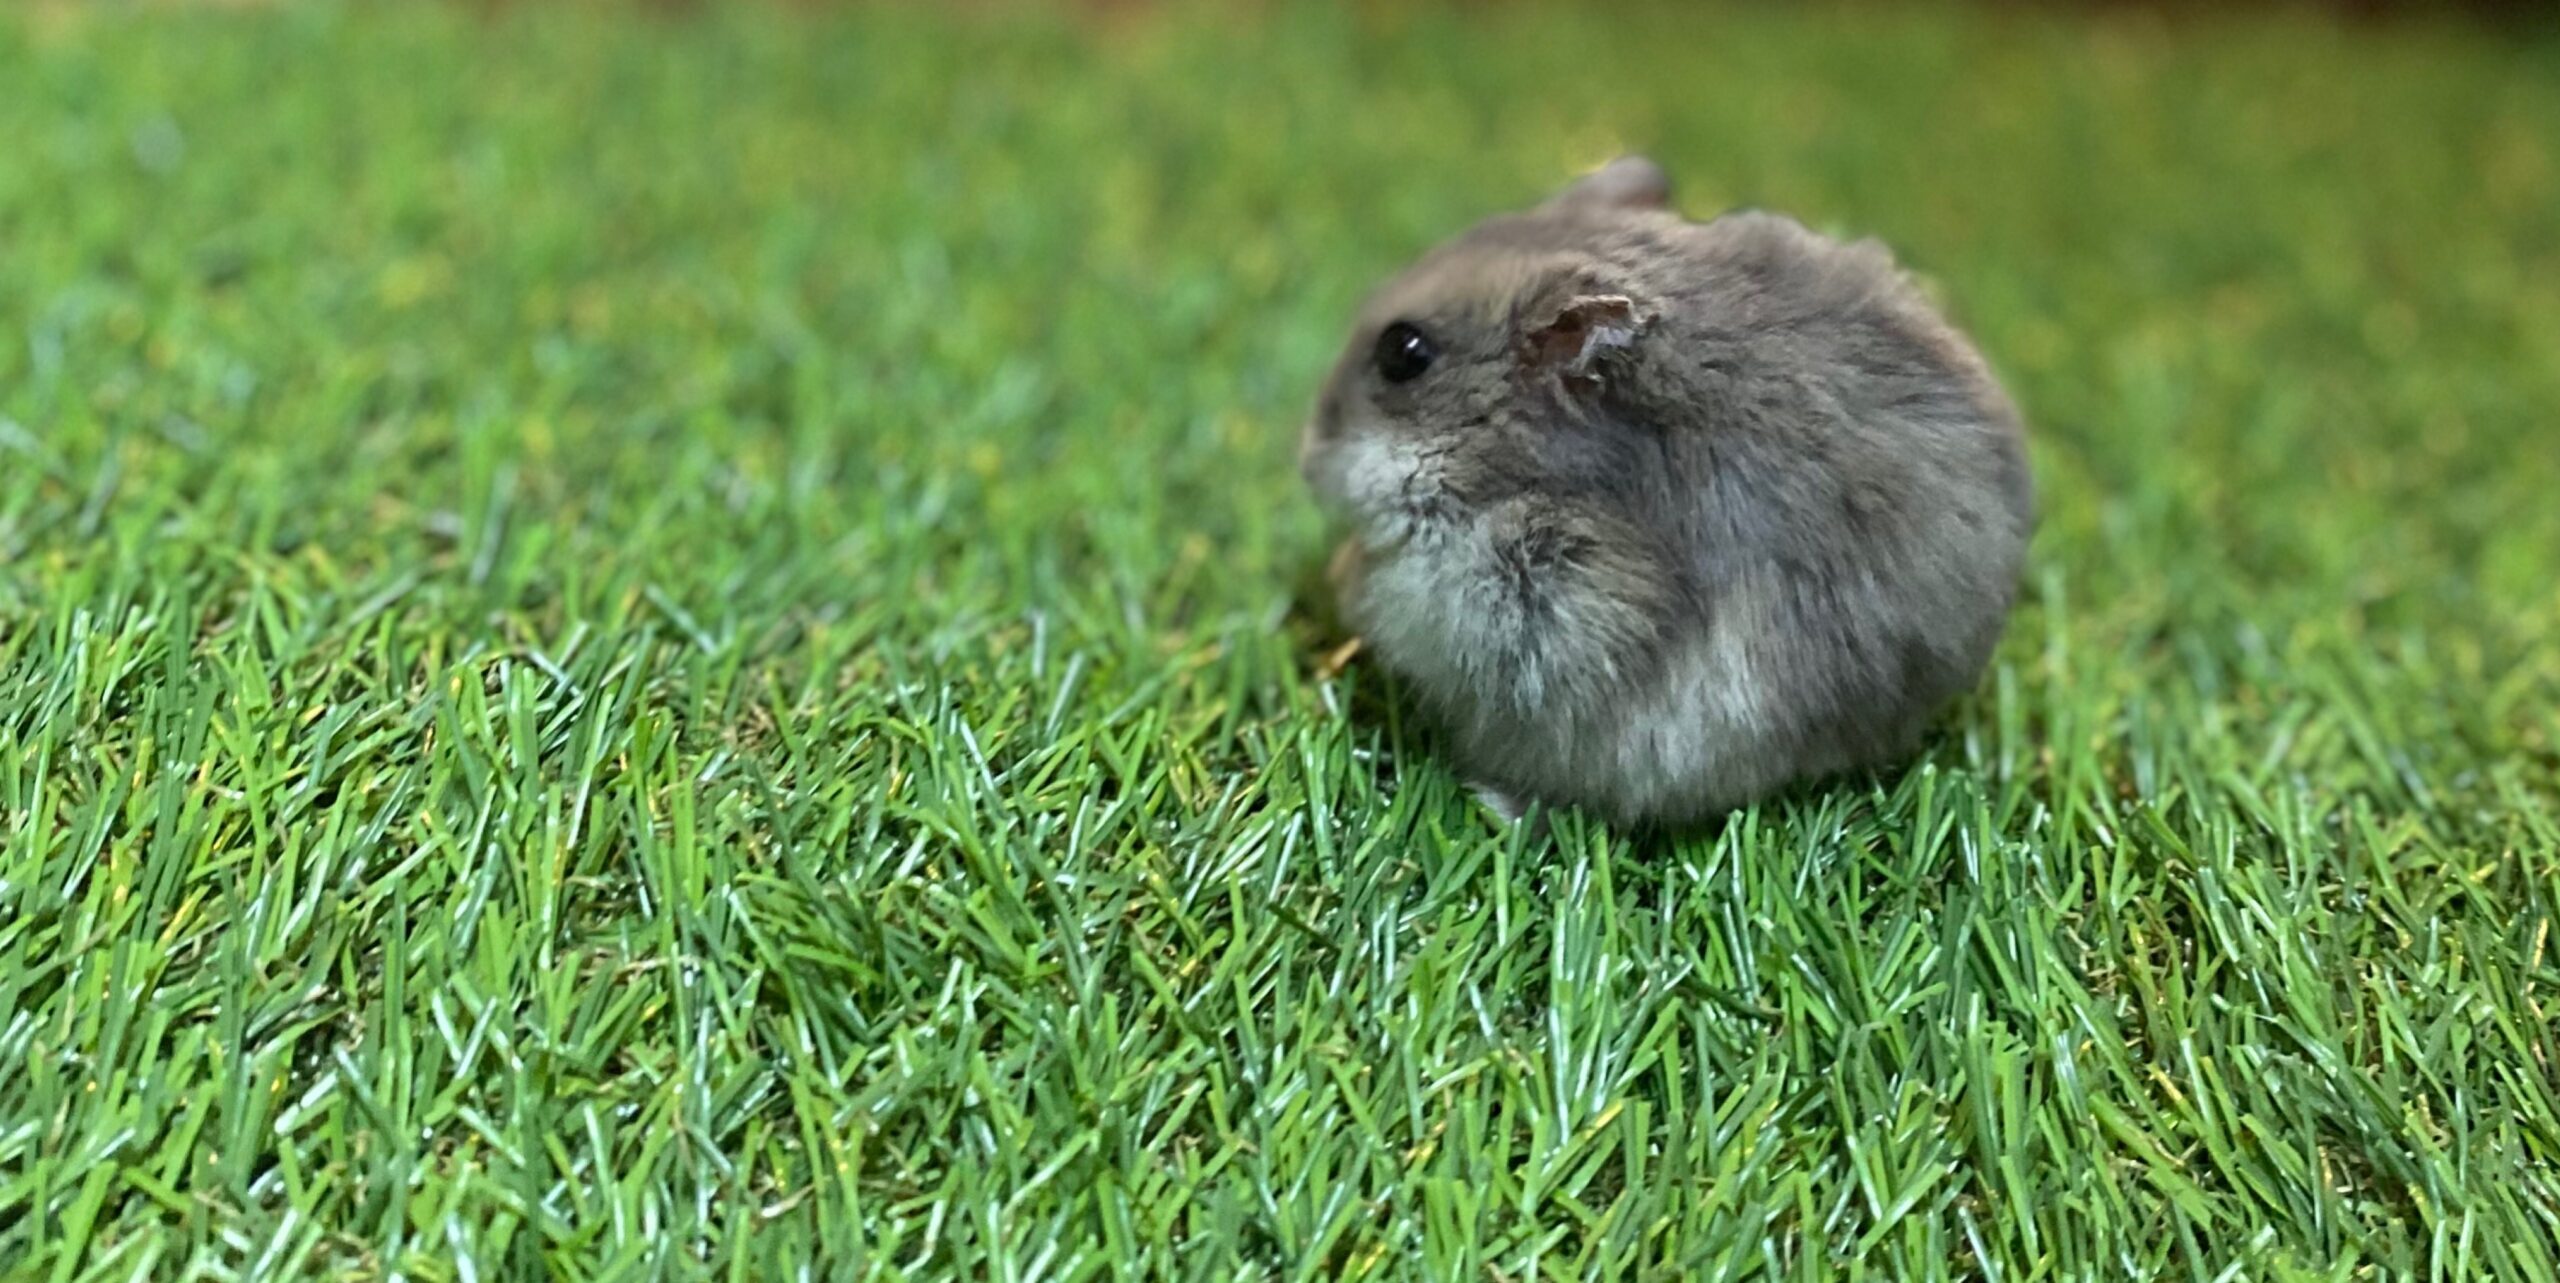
1403 353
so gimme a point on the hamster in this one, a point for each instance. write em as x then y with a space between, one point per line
1658 517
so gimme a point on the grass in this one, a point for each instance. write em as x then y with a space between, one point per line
666 646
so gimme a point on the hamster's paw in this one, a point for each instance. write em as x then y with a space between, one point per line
1338 658
1511 808
1347 571
1505 807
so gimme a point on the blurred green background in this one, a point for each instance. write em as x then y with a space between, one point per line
671 641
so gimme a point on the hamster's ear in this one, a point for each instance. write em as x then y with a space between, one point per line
1577 339
1629 182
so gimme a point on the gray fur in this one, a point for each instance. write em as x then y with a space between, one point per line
1682 513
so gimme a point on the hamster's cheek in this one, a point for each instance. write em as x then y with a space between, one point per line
1376 481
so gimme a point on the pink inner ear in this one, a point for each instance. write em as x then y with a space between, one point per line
1585 330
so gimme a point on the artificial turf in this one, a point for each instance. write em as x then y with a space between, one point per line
667 643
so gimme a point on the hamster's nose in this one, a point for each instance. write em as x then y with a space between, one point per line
1320 427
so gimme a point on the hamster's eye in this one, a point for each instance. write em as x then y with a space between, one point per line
1403 353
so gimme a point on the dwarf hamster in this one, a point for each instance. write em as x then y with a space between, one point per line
1659 516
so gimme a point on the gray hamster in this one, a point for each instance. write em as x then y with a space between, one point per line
1660 516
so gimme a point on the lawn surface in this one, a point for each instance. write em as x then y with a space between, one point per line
664 645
